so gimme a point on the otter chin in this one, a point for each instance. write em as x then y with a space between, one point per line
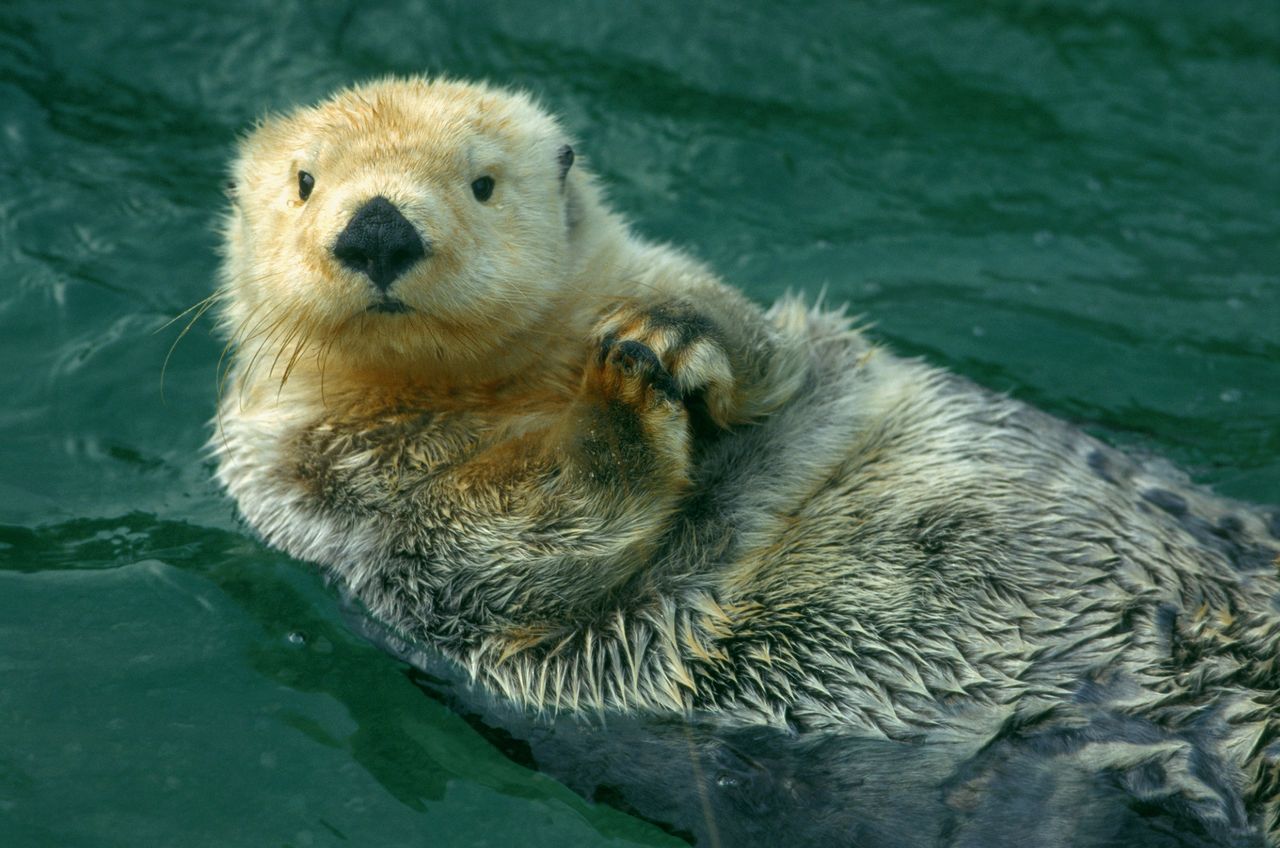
585 469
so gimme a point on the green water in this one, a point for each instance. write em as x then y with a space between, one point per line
1077 203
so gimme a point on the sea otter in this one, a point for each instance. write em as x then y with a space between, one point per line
582 467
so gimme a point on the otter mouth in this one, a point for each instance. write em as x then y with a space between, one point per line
390 306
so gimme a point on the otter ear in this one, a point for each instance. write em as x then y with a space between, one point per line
565 158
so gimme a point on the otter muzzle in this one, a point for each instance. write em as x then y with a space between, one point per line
380 243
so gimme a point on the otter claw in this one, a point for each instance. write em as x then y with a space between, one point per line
635 360
632 356
687 346
606 346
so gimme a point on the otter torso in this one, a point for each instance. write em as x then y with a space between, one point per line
600 480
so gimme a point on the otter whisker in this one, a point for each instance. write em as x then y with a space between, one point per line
323 354
272 332
164 366
244 335
296 328
293 360
241 337
213 298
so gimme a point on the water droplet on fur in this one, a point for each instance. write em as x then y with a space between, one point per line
296 638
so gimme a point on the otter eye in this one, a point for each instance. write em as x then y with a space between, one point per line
482 188
306 182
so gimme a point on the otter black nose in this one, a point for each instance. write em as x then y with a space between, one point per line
379 242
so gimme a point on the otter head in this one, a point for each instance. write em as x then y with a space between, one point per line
401 223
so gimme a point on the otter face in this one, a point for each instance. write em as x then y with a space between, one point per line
401 220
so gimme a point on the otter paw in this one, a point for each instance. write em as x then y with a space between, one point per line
630 372
685 343
642 425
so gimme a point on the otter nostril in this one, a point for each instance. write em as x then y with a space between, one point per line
379 242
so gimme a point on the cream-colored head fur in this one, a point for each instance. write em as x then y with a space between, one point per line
495 268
